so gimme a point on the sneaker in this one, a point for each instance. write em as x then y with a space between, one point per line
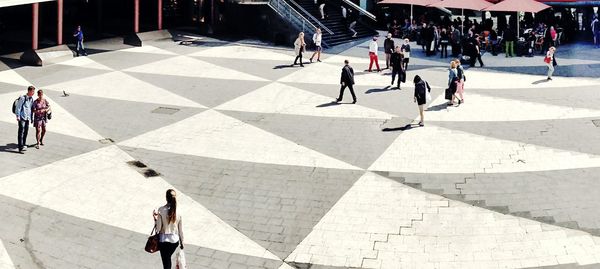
354 102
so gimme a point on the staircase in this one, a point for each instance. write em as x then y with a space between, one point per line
304 15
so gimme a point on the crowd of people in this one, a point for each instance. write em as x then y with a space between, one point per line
469 39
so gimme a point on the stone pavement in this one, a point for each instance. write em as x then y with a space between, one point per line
272 174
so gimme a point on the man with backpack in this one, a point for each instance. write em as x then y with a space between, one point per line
22 110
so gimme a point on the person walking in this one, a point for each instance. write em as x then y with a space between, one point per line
352 18
422 90
299 46
452 84
388 46
460 83
373 50
397 67
405 54
23 112
347 80
41 110
596 31
444 41
509 38
475 51
80 49
321 4
550 61
317 37
169 227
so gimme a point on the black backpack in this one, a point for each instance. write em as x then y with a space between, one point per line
14 107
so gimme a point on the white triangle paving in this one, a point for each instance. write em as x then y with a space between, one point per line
486 108
480 79
214 135
433 149
284 99
120 86
12 77
380 223
86 62
5 260
94 185
148 49
62 122
191 67
246 52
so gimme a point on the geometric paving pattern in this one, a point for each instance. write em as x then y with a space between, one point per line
271 174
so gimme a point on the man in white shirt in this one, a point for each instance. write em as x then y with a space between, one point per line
317 40
373 48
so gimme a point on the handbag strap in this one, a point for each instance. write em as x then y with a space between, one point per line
153 230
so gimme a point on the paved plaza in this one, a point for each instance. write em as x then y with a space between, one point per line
271 174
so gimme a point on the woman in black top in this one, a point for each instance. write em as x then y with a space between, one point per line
444 41
422 90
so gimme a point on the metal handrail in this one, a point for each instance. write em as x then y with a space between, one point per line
285 10
362 11
312 17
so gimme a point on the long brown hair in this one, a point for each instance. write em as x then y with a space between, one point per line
172 203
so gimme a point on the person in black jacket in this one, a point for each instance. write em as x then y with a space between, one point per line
388 46
422 89
397 67
347 80
444 41
509 38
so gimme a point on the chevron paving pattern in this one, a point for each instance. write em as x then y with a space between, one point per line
271 174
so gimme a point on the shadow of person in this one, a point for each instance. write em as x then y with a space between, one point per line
539 81
282 66
10 148
402 129
437 107
376 90
332 103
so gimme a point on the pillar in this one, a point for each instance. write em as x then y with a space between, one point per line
160 14
136 16
35 23
59 15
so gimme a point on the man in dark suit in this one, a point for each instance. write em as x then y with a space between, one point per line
347 80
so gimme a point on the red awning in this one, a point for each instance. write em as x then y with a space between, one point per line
409 2
463 4
518 5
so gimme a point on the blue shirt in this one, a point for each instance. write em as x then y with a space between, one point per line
23 109
79 35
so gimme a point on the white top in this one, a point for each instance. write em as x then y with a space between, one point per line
317 39
168 232
373 47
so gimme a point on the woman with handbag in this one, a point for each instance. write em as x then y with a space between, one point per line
168 225
422 96
299 46
550 61
453 81
41 113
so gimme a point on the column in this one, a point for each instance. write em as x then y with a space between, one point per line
160 5
35 24
59 15
136 16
